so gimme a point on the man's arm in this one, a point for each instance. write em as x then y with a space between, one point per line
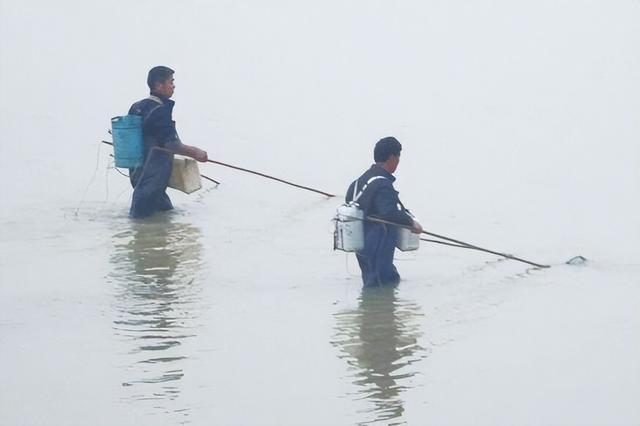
191 151
162 125
386 203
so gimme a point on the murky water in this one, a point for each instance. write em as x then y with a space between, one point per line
156 303
182 319
177 320
157 331
379 341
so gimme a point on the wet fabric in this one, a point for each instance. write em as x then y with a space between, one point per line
150 185
379 199
150 181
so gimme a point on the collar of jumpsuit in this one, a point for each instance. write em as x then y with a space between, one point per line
381 170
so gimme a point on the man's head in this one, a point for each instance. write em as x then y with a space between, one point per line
387 153
160 81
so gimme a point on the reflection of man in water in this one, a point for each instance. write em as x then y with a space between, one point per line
379 338
154 265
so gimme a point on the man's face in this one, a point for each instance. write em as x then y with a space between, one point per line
166 88
394 160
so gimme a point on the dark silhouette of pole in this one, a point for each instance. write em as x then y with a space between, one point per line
252 172
461 243
271 177
209 179
444 243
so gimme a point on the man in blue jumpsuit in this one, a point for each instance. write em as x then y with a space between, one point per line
150 180
378 198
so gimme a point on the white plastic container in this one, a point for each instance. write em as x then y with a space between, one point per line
185 175
349 231
407 240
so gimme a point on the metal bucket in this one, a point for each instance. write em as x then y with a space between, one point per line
349 231
128 144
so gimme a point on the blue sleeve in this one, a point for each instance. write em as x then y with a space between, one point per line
386 204
162 127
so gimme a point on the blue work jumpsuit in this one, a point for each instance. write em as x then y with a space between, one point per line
380 200
150 180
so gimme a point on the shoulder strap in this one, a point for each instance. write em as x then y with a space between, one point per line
155 107
155 98
355 187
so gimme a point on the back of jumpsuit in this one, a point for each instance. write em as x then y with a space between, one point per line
379 199
151 179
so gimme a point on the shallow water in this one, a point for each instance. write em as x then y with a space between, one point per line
157 321
168 321
379 341
156 302
146 304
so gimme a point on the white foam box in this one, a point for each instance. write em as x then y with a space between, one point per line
185 175
407 240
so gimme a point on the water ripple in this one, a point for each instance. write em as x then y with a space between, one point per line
379 341
155 304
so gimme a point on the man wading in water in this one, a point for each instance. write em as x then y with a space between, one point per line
159 130
379 199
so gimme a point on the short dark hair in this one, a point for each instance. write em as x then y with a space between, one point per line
158 74
385 148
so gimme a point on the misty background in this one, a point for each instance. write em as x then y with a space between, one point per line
519 124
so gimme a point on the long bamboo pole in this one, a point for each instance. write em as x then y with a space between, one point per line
466 245
255 173
444 243
202 176
271 177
